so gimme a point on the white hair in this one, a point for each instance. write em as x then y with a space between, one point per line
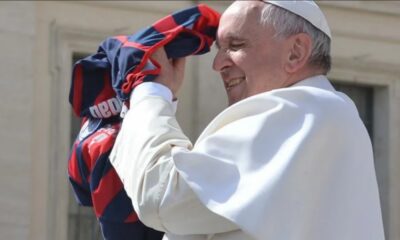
287 24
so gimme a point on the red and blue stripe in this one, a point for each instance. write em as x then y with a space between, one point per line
122 62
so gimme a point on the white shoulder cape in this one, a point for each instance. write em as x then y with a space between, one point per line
290 164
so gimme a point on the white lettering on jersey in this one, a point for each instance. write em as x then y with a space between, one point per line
94 110
103 134
106 109
115 105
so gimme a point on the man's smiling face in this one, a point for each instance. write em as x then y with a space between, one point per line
249 58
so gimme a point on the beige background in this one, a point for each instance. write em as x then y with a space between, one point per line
38 40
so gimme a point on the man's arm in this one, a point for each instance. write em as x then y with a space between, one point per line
142 156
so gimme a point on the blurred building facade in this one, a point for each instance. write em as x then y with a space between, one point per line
40 39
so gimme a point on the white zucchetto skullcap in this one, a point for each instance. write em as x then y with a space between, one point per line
306 9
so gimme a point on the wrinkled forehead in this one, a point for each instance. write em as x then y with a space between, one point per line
243 9
241 14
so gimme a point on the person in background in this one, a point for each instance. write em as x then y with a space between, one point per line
289 158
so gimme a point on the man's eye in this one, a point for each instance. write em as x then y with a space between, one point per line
236 46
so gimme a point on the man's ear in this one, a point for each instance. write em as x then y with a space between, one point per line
299 46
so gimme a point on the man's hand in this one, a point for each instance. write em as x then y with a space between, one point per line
172 71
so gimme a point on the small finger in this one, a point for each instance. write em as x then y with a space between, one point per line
179 62
160 55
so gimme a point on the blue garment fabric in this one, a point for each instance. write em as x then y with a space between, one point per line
102 81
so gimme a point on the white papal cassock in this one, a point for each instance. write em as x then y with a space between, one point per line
289 164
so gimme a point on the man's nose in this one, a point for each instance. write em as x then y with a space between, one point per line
221 61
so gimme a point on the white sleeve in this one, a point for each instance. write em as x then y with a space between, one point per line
142 157
153 89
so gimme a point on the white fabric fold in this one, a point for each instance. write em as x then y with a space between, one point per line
293 163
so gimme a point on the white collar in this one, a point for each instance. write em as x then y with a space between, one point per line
318 81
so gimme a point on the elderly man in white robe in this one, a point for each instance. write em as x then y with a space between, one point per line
289 159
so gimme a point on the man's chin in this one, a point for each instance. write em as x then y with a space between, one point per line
235 94
232 100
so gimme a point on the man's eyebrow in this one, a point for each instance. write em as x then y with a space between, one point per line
234 37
